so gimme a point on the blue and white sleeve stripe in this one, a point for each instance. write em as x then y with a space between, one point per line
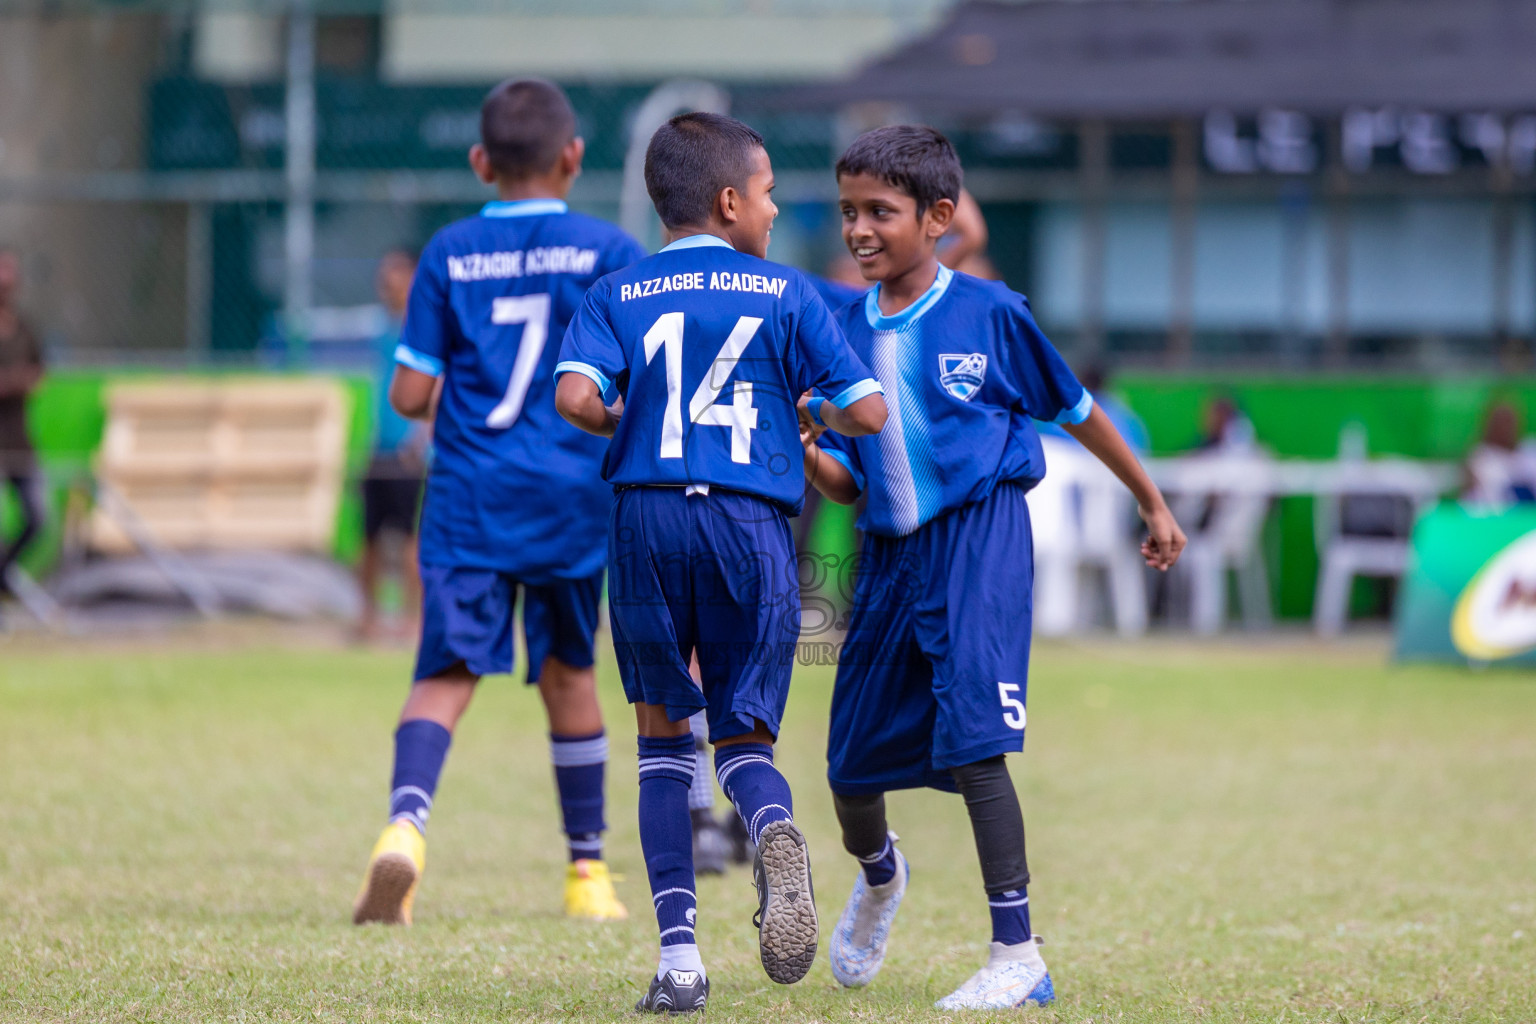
1079 412
863 389
418 361
586 370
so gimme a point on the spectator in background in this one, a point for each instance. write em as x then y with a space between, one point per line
964 245
21 368
1227 430
1501 469
392 488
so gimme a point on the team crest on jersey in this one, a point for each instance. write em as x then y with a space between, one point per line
961 374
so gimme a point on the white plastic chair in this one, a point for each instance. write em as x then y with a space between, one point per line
1239 490
1107 512
1346 550
1081 519
1058 540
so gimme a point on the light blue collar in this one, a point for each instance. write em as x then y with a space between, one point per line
699 242
522 207
934 293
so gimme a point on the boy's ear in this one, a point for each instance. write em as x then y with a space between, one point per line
938 217
728 204
571 156
480 163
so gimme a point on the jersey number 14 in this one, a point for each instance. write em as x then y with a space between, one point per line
666 337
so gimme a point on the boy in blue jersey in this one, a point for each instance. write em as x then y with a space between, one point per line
514 501
706 346
931 685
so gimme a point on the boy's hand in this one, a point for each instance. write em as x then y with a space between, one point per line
615 413
1165 541
810 430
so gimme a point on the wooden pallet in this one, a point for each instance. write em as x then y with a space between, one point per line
227 464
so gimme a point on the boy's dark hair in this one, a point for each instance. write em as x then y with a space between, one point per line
524 124
691 159
914 158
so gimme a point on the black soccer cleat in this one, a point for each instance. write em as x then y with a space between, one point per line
742 850
711 846
787 928
676 992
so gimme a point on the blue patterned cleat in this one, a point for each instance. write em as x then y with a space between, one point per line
676 992
859 940
1014 976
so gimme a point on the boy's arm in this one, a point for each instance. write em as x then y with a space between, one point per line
1164 540
865 416
825 472
414 393
579 401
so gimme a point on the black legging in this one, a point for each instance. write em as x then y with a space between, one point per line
29 489
996 822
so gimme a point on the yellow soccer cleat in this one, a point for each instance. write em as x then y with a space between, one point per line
589 893
394 871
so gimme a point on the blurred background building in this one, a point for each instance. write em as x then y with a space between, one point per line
1319 212
1190 182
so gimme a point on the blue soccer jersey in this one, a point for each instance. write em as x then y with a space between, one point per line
711 349
513 487
965 370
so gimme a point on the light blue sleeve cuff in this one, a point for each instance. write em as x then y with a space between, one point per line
858 478
587 370
1078 412
418 361
863 389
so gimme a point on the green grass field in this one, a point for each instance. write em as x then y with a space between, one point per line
1267 831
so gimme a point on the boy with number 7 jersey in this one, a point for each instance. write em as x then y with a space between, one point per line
514 500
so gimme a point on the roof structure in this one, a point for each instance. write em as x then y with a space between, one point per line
1173 58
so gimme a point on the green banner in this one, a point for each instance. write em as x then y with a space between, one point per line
1470 591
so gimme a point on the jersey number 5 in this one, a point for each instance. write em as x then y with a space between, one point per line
1013 708
666 336
532 311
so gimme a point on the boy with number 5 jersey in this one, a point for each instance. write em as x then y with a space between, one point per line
706 346
931 684
514 500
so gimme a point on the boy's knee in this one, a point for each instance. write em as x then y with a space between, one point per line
555 675
862 816
984 779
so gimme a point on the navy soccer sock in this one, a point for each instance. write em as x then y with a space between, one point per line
421 746
666 837
880 868
754 785
1010 916
580 763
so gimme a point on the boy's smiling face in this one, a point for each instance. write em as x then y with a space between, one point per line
882 229
752 208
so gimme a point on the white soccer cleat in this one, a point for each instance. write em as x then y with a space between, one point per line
859 940
1014 976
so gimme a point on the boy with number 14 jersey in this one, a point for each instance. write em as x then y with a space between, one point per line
709 345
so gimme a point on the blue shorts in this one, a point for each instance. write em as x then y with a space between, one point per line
935 668
712 574
466 616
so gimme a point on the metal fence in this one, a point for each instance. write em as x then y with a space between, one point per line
169 214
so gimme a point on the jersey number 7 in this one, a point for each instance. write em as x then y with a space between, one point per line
532 311
666 336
